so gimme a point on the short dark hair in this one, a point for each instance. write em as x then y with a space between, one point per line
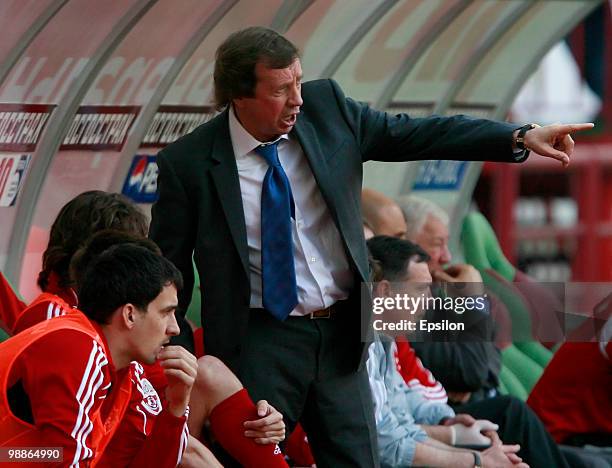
100 242
124 274
392 255
235 60
78 219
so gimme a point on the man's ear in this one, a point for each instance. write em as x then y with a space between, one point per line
382 288
128 314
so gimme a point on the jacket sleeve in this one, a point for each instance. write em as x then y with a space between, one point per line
386 137
10 305
65 376
397 433
148 435
165 445
172 226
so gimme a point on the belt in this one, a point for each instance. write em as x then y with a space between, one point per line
322 313
328 312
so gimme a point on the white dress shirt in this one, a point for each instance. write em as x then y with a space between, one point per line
322 269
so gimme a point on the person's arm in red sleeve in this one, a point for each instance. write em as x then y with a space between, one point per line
65 376
165 445
10 305
415 375
179 368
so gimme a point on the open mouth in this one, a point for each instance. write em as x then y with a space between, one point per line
290 120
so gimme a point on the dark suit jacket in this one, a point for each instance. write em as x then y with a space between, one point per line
200 210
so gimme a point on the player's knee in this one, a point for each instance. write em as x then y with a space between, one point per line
214 376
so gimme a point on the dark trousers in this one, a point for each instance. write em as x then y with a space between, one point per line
578 457
518 424
305 369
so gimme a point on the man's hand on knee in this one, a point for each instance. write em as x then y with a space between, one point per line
270 428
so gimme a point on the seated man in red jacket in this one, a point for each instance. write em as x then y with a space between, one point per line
218 397
77 403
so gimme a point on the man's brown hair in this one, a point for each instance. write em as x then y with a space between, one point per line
235 60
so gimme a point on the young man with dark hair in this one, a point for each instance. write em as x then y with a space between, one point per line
78 402
217 396
268 205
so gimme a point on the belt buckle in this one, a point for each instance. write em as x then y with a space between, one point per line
321 314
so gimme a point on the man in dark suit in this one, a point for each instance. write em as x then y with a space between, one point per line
268 203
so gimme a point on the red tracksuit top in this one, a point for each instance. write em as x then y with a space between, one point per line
65 369
149 435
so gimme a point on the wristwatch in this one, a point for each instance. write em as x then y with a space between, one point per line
520 137
477 460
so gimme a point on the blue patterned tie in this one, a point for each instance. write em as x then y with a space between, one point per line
279 290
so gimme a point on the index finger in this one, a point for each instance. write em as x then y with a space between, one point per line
570 128
442 275
510 448
270 419
176 351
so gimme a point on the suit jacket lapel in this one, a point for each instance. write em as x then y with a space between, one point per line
327 185
310 144
225 177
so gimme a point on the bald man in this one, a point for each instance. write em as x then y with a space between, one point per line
381 215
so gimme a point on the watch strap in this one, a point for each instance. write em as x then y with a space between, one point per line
477 460
520 137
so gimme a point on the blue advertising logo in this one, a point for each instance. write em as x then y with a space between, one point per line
141 182
440 175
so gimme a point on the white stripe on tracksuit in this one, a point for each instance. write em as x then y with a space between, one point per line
54 310
184 440
91 381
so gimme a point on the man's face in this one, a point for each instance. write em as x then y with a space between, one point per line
412 288
273 110
155 326
433 238
417 283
